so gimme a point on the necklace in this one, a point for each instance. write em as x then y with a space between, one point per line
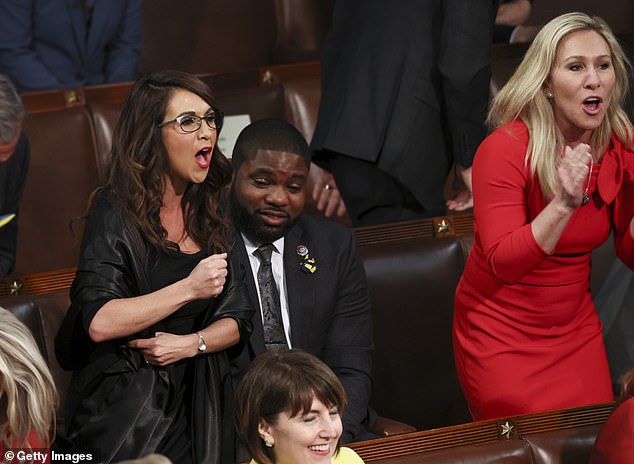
585 198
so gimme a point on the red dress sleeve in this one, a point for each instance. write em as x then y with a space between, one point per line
624 210
501 188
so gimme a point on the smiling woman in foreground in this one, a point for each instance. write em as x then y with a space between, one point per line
549 185
288 410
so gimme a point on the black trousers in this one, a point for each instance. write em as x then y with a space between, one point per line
373 196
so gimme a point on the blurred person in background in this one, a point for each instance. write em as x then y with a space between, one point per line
14 165
52 44
405 91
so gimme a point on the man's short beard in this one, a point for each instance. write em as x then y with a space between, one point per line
252 225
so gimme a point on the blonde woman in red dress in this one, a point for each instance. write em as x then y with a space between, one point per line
550 184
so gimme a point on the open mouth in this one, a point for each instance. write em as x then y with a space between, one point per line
203 157
592 105
273 217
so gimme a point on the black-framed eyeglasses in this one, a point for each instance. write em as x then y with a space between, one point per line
191 123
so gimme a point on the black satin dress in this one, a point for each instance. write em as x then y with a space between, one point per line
173 266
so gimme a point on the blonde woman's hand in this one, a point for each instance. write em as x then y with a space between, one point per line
207 279
573 174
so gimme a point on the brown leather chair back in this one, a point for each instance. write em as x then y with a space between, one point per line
302 27
412 284
302 98
62 174
564 436
104 117
202 36
509 452
570 446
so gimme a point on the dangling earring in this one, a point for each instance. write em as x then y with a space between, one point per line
269 442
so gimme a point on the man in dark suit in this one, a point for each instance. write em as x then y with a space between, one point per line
319 280
51 44
14 164
405 88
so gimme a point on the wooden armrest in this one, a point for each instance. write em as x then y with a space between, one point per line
385 427
37 284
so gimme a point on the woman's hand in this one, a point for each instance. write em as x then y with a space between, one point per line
463 197
513 13
166 348
325 192
207 279
573 172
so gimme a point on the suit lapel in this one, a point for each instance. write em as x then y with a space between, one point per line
300 290
256 341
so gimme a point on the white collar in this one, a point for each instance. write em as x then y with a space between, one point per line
278 245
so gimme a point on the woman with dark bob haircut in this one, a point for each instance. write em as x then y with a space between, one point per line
154 304
288 410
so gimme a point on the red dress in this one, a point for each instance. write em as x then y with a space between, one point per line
38 452
526 334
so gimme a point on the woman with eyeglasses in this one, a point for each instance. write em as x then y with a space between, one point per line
154 304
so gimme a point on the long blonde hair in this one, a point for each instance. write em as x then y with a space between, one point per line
27 387
523 97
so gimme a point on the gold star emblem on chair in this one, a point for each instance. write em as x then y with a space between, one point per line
507 429
15 287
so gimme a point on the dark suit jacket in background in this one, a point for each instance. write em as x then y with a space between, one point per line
43 43
405 85
329 311
12 178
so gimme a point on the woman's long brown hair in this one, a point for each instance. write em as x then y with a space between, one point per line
138 162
